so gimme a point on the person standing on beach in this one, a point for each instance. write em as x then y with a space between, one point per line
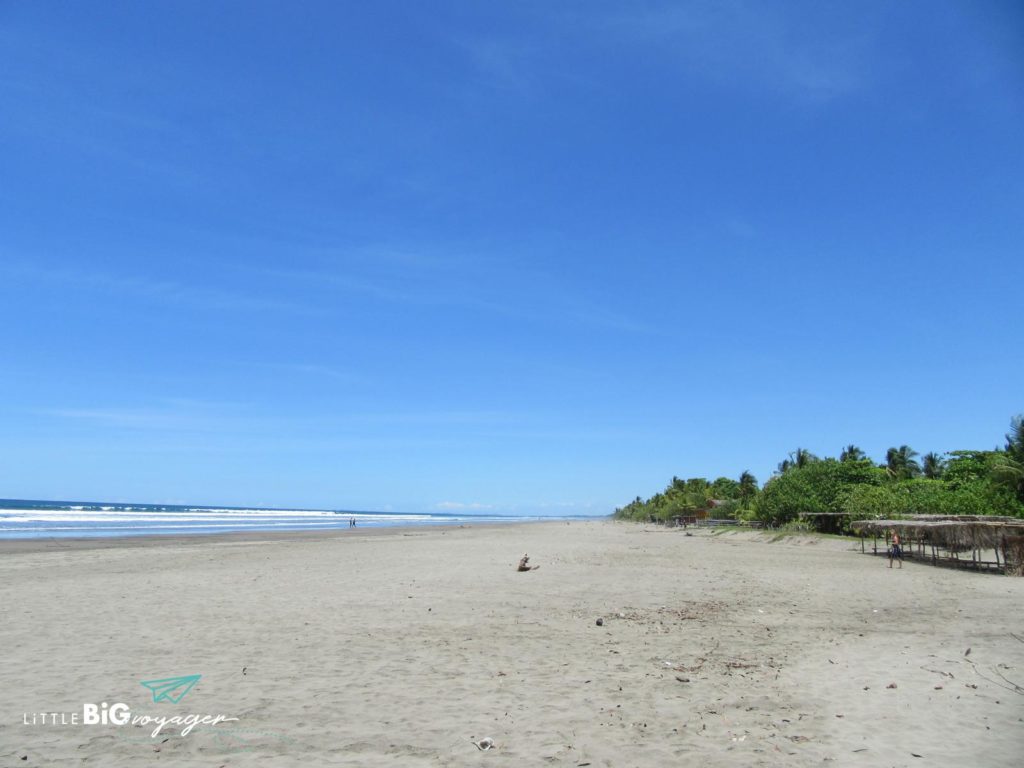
895 551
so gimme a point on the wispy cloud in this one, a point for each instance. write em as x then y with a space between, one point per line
165 415
486 283
170 292
503 63
437 418
739 41
806 51
247 418
312 371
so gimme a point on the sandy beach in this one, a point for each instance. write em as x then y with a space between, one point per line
404 647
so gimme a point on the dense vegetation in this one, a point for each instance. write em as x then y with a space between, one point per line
957 483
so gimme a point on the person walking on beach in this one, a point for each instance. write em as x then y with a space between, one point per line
895 551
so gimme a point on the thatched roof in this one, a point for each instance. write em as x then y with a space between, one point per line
951 531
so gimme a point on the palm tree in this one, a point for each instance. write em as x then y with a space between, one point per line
748 487
1009 472
852 453
798 459
1015 439
802 457
900 464
932 465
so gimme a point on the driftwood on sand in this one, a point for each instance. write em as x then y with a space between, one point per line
525 566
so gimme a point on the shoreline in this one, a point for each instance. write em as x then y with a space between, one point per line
78 543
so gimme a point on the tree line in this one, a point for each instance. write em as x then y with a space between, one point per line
964 482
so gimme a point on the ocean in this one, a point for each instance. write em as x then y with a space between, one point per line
31 519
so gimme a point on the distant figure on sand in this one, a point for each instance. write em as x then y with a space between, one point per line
895 551
351 522
523 564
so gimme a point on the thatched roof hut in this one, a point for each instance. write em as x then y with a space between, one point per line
956 533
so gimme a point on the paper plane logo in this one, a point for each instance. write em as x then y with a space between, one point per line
171 689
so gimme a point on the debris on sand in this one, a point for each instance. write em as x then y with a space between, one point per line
524 565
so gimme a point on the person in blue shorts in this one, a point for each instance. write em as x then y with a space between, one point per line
896 550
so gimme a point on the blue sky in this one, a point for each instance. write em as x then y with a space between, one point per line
531 257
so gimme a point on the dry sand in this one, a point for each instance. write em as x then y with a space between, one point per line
372 648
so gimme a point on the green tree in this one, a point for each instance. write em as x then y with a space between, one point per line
1008 471
914 497
748 488
798 459
697 485
1015 439
900 463
964 482
820 486
725 488
932 465
802 457
873 502
852 453
966 467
